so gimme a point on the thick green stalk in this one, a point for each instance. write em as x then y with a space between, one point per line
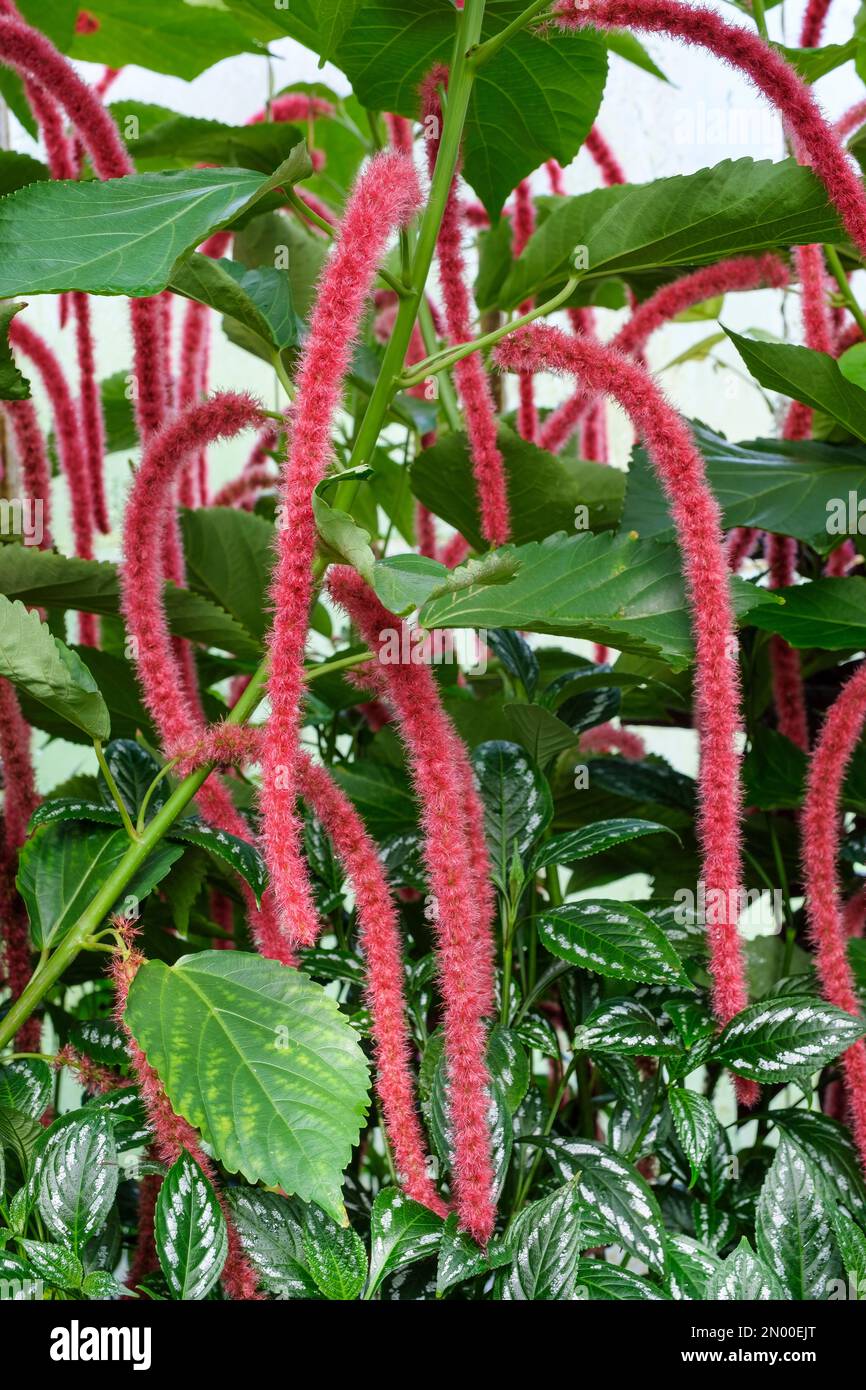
459 90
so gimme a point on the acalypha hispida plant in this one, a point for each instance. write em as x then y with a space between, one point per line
358 942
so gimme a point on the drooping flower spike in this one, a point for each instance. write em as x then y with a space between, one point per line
33 465
33 56
461 921
813 23
400 133
680 468
469 374
523 227
293 106
852 119
821 834
20 800
812 134
385 196
170 696
604 158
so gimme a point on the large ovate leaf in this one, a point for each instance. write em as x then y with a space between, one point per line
63 865
794 1227
783 1039
122 236
613 1190
534 100
283 1093
827 614
616 590
49 671
736 207
272 1236
611 938
190 1230
791 487
160 139
179 39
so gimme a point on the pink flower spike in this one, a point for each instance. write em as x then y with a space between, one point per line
35 470
555 177
400 133
524 226
821 830
293 106
604 158
813 23
380 941
93 428
788 692
852 119
385 196
461 909
759 61
680 468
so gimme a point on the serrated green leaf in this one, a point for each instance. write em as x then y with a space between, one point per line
611 1189
611 938
25 1085
285 1089
13 385
596 1279
546 1250
53 1263
783 1039
76 1175
793 1225
517 802
593 839
401 1232
272 1236
691 1266
625 1027
45 668
695 1123
807 376
241 856
826 614
335 1256
743 1277
190 1231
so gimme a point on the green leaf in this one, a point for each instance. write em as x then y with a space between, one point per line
26 1085
461 1259
340 537
791 487
830 1147
273 1240
793 1226
100 1039
736 207
335 1256
612 939
542 735
101 1286
122 236
62 867
624 1027
76 1179
745 1278
401 1232
812 63
691 1266
517 802
260 300
593 839
774 771
13 386
181 40
807 376
596 1279
544 491
160 139
546 1250
118 410
785 1039
852 1247
17 170
381 794
190 1230
241 856
607 1185
46 669
695 1123
826 613
285 1088
615 590
53 1264
534 100
404 582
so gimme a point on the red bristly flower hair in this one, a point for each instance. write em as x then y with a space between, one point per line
19 802
604 158
524 226
696 517
813 135
821 831
462 904
469 374
385 196
34 468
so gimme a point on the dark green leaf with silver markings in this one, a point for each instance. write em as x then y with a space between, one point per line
190 1229
783 1039
613 939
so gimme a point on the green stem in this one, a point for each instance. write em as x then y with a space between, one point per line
459 89
485 51
303 210
446 359
841 279
760 18
142 810
113 788
88 924
447 394
340 663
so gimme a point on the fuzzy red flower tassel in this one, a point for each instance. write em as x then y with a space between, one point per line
385 196
461 909
602 370
759 61
821 830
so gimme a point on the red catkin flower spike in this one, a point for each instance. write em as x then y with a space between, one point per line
524 226
385 196
469 374
787 677
604 158
91 411
603 370
460 919
19 802
813 135
400 133
813 23
34 468
852 119
821 833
